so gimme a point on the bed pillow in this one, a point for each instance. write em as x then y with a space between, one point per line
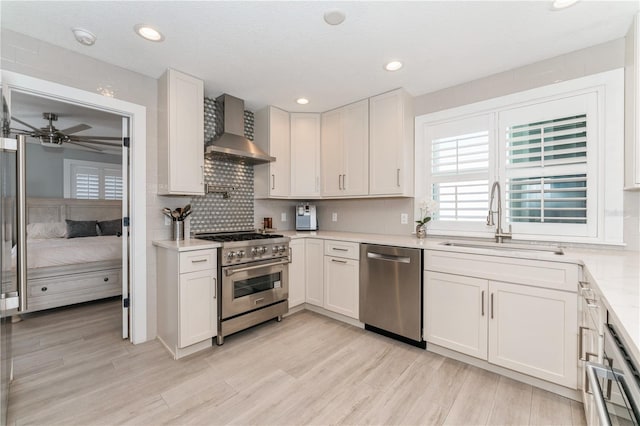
41 230
110 227
81 228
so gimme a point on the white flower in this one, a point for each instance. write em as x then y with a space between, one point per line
431 206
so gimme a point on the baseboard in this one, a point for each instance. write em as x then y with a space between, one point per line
352 321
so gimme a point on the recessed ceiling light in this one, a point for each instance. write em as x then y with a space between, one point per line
83 36
302 101
148 33
562 4
393 66
334 17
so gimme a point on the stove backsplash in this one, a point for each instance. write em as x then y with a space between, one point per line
212 212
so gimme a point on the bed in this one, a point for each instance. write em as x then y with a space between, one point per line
63 271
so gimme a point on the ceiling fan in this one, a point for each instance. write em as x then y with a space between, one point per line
51 136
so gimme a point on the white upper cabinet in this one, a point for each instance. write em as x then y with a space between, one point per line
180 134
345 150
391 124
305 154
272 134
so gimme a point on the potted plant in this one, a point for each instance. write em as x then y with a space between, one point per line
427 208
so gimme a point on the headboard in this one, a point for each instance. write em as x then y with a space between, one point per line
59 209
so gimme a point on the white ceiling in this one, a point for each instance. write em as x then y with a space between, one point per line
275 52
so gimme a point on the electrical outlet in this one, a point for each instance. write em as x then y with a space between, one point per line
167 221
334 217
404 218
283 217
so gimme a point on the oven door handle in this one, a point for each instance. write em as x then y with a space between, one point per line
230 271
593 371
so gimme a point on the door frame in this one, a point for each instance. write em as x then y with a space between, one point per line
137 178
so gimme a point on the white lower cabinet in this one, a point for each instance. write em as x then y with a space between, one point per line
341 285
455 314
528 329
314 271
187 299
297 281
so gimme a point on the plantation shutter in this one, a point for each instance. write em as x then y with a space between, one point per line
459 169
85 182
548 165
112 184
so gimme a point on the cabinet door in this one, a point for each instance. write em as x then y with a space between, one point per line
331 152
341 286
305 154
197 307
455 313
181 138
279 147
390 142
355 175
297 280
314 271
534 331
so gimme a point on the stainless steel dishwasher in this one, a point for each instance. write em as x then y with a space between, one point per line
391 292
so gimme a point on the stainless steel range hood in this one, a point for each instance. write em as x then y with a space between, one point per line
230 142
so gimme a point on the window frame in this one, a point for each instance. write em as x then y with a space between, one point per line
69 163
608 88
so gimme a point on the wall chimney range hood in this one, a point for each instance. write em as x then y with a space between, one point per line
230 141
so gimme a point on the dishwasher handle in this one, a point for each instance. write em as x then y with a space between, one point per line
388 258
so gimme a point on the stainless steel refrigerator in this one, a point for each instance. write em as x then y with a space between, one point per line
12 238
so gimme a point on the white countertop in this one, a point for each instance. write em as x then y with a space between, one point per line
616 272
188 244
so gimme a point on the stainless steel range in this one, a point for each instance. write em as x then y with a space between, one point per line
253 279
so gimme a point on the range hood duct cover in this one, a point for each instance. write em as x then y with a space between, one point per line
231 143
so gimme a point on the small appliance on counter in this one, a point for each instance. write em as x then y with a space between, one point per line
306 219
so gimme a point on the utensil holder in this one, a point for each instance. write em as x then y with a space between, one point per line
178 230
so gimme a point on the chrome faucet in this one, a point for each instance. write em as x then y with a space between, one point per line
500 234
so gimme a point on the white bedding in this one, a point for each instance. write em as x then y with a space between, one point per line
63 251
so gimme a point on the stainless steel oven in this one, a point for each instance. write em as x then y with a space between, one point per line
253 279
615 383
246 288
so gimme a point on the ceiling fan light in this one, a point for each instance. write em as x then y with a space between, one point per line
148 33
83 36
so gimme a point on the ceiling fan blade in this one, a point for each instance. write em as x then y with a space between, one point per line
75 129
85 146
78 140
105 138
35 129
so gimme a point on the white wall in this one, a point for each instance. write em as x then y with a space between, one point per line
42 60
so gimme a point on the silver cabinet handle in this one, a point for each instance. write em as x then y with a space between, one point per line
340 182
482 303
581 330
202 174
398 177
592 375
344 182
273 181
338 261
290 255
215 288
199 260
339 249
491 305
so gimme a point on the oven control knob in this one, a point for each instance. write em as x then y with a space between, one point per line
262 250
254 252
281 249
275 249
240 254
231 255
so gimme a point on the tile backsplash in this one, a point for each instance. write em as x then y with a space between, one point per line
212 212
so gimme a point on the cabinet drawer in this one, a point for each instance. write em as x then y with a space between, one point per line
554 275
77 283
342 249
197 260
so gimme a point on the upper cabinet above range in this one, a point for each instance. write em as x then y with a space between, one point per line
391 151
272 133
180 134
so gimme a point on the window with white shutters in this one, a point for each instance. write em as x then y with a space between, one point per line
548 166
92 180
459 154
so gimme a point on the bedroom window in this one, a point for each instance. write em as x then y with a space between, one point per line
92 180
547 149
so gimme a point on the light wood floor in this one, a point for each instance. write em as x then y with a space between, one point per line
72 368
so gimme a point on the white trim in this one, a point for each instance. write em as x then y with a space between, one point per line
609 89
137 184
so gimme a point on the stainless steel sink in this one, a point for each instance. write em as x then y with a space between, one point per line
512 247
